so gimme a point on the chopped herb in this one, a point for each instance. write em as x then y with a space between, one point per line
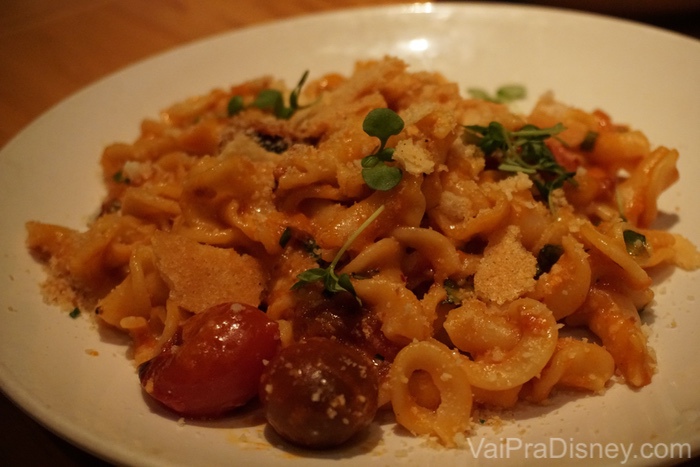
381 123
589 140
312 248
504 94
547 257
635 242
75 313
331 281
455 290
120 178
294 95
271 100
524 151
235 105
285 237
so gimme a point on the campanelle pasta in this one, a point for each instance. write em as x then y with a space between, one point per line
478 261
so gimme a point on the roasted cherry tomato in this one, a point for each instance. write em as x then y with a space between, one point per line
214 362
318 393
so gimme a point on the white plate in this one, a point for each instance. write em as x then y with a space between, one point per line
49 172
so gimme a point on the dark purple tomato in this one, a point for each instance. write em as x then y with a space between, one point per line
318 393
215 361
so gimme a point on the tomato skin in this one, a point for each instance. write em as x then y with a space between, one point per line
318 393
214 362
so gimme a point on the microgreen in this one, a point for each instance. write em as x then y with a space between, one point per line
333 282
524 151
504 94
381 123
271 100
235 105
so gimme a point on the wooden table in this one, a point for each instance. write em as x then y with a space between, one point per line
49 49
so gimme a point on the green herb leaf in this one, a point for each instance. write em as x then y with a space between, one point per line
504 94
312 248
285 237
345 284
635 242
331 281
294 95
310 275
381 123
452 290
271 100
369 161
524 151
457 290
382 177
235 105
511 93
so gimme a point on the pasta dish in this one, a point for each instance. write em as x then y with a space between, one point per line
369 243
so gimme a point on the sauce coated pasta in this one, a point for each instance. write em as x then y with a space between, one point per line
425 258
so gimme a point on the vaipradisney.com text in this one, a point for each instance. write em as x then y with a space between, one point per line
568 448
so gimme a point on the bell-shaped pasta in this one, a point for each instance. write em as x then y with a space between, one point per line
94 260
613 247
451 416
145 204
500 369
615 320
233 193
639 193
565 287
384 254
476 329
575 364
401 313
142 288
461 220
620 149
432 245
498 399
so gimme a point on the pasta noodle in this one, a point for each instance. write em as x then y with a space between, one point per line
447 373
456 281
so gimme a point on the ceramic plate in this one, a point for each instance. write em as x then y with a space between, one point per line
78 382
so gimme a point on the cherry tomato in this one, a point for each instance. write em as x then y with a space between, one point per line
214 362
318 393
